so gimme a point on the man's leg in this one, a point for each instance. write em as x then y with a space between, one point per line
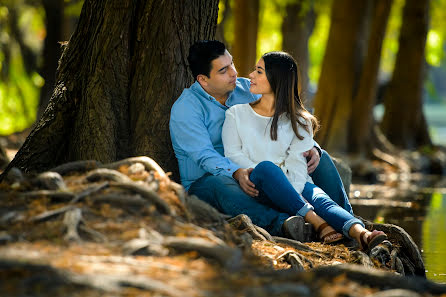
327 178
225 194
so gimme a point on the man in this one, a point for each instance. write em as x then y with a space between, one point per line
195 127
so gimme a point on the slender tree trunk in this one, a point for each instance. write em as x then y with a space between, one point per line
297 27
244 49
220 33
338 82
122 70
54 18
404 123
364 101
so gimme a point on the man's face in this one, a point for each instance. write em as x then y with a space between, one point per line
222 77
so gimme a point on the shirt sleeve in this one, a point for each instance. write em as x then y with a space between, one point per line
190 135
295 166
232 142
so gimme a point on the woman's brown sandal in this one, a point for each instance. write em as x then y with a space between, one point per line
325 238
373 240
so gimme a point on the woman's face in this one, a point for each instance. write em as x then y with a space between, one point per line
259 82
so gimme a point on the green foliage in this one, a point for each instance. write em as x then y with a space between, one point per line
73 8
19 90
19 97
269 36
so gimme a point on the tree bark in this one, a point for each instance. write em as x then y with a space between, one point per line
244 49
118 76
364 101
338 82
404 123
297 27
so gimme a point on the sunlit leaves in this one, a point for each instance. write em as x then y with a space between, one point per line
434 48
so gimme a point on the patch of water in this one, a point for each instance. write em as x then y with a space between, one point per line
423 216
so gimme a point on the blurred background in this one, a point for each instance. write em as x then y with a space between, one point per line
31 33
373 72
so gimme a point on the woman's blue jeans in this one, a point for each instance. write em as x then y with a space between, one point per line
275 190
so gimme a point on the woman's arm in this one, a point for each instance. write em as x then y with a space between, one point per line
295 166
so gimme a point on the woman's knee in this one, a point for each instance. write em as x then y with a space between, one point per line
266 166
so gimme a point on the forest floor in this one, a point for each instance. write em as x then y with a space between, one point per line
125 229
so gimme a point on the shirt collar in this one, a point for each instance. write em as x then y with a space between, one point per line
196 87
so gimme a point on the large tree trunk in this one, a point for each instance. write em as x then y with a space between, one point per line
341 66
244 48
54 17
297 27
404 123
119 75
364 101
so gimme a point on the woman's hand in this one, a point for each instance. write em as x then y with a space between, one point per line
242 176
313 154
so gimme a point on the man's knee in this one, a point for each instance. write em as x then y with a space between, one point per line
220 180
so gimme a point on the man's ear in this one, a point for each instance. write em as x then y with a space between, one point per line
202 79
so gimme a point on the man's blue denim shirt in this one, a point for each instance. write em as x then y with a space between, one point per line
195 126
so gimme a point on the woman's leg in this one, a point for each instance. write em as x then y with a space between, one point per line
340 219
274 186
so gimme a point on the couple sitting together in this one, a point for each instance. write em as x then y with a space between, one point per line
246 147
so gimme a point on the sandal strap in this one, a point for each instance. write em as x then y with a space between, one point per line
364 244
322 227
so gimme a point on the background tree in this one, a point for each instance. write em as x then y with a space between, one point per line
244 47
121 71
54 19
297 27
340 68
362 121
404 123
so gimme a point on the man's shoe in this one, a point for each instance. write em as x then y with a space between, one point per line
296 228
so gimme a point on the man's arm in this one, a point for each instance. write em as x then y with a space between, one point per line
190 135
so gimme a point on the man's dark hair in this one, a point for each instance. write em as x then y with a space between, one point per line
201 55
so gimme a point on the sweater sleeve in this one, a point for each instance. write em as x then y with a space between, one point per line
295 163
232 142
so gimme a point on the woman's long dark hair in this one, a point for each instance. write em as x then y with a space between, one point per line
281 72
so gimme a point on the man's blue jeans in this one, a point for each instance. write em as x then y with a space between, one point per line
326 177
225 194
275 189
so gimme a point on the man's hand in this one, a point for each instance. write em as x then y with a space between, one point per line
242 176
313 154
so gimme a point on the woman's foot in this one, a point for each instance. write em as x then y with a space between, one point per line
327 234
368 240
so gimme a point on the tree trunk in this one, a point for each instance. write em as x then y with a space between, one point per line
54 17
227 12
340 68
364 101
297 27
404 123
122 70
244 49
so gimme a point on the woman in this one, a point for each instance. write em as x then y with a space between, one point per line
271 135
